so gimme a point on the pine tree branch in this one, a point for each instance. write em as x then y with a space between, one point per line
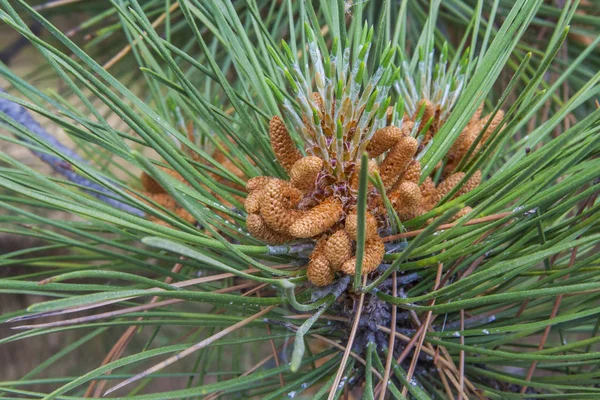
20 115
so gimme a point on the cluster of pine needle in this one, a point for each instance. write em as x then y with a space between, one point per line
258 199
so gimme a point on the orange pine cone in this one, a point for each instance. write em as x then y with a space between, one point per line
185 215
318 272
460 148
283 146
471 184
258 182
318 219
319 246
304 173
279 197
372 167
338 249
447 185
374 252
463 143
397 160
477 114
407 201
383 139
258 229
413 172
253 200
427 189
407 127
351 225
493 125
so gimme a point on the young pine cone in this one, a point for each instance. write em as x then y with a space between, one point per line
150 185
469 185
397 160
253 200
154 191
304 172
319 272
461 213
450 182
465 140
372 167
374 252
413 172
338 249
318 219
428 192
276 208
407 201
383 139
259 229
447 185
282 144
351 226
258 182
407 127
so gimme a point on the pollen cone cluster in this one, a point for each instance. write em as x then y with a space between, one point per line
316 204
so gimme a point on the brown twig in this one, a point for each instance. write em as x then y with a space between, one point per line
390 356
119 348
125 50
553 314
273 349
344 348
190 350
340 372
442 373
254 368
474 221
53 4
461 362
446 363
324 316
128 310
424 327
